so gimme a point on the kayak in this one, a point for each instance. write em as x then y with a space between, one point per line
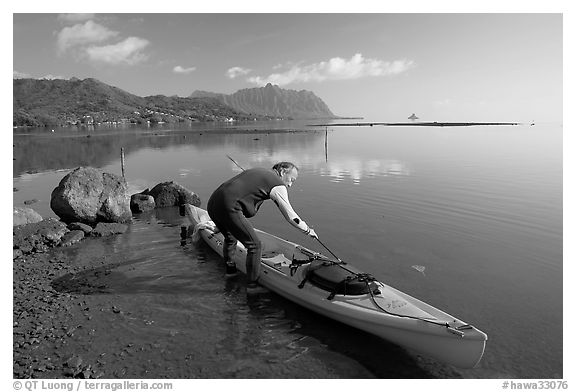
341 292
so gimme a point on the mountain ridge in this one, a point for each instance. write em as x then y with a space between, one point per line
60 102
275 101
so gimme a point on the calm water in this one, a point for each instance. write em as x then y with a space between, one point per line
467 219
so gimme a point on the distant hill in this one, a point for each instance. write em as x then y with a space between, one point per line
59 102
273 101
41 102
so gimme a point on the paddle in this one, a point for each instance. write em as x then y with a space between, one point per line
332 253
236 163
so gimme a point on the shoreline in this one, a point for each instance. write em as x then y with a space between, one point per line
164 132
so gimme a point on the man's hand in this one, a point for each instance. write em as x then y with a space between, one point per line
312 233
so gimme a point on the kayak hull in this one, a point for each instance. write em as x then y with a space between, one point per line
385 312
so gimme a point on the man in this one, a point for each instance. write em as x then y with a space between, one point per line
240 198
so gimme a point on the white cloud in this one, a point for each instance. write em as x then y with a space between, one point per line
335 68
181 70
234 72
51 77
74 18
128 51
20 75
83 34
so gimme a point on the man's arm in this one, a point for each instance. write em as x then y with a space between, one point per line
279 195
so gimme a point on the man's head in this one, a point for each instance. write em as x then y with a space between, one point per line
287 171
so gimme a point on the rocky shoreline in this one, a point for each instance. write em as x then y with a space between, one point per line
50 319
44 320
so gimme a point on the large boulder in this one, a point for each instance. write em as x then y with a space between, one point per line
89 195
25 215
170 194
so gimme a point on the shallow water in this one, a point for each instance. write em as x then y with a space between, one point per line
467 219
190 322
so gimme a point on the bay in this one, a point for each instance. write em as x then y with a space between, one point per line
477 209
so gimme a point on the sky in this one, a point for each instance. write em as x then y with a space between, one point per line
380 66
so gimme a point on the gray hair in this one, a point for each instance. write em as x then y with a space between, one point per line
281 166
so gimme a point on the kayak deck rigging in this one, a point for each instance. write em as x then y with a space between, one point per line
361 277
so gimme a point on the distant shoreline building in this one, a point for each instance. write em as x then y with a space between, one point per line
413 117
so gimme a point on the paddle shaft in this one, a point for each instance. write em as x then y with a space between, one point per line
332 253
236 163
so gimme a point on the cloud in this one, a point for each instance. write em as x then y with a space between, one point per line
74 18
83 34
90 41
20 75
181 70
234 72
51 77
335 68
128 51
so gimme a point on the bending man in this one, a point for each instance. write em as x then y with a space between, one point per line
240 198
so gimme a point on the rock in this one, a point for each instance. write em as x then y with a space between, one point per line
169 194
73 366
105 229
26 246
141 202
73 362
80 226
42 247
32 201
37 236
72 237
25 215
88 195
53 233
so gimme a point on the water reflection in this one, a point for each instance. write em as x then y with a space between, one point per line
338 167
37 152
357 169
264 144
